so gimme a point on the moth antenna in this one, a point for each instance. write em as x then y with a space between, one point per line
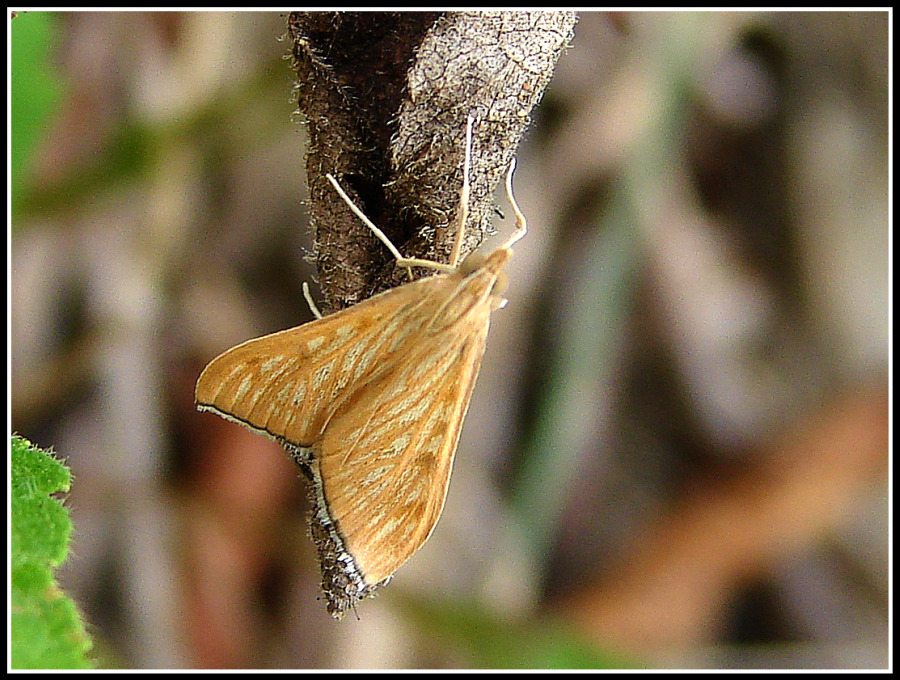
463 211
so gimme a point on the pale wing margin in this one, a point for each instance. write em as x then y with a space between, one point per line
387 453
288 384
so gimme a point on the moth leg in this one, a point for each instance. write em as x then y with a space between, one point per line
369 223
521 224
310 302
462 215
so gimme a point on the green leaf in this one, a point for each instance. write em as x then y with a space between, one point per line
46 628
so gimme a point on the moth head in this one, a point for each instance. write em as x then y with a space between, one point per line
473 261
476 260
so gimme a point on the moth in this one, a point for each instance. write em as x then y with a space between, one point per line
369 401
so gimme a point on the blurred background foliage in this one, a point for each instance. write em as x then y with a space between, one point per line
677 451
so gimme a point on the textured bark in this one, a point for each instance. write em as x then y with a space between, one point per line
386 96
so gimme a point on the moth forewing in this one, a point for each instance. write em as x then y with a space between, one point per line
388 495
286 384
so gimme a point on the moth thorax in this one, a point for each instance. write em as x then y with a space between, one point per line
473 262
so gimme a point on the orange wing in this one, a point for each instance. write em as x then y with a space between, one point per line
288 384
386 455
